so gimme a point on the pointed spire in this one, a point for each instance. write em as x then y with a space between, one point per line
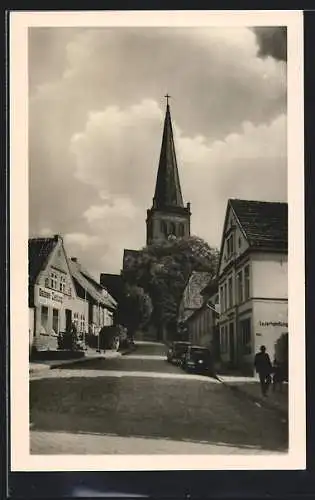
167 190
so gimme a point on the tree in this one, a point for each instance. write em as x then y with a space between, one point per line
135 308
162 270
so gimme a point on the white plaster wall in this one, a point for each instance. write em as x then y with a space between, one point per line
269 275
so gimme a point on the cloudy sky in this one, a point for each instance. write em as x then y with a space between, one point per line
96 113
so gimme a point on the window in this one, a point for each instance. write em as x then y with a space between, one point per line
239 278
225 297
230 289
163 227
222 298
230 245
44 316
172 228
53 280
245 336
239 242
246 283
181 230
62 284
55 321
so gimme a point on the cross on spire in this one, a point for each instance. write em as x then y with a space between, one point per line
167 98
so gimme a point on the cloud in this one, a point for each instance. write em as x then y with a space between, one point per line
96 117
81 239
272 41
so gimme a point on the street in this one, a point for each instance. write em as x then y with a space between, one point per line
139 403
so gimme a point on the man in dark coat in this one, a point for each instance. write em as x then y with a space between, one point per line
263 367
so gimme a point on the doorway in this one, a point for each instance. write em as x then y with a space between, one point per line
232 344
68 319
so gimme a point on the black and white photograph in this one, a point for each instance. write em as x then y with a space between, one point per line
161 276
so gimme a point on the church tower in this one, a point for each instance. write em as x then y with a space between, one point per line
168 216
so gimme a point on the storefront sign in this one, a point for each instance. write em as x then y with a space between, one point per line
273 323
46 297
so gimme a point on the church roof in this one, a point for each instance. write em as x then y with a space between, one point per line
167 190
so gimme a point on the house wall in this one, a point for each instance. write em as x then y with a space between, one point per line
270 275
270 321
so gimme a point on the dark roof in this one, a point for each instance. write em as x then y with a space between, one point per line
39 250
265 224
114 284
167 190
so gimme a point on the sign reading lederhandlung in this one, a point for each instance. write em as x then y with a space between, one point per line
273 323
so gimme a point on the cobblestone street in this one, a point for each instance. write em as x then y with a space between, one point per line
145 406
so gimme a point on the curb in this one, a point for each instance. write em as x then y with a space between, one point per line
73 362
264 403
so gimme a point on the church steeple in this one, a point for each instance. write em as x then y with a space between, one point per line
167 191
168 215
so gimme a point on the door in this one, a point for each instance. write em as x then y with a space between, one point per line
68 319
232 343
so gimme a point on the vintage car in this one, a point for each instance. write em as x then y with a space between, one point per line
198 359
177 351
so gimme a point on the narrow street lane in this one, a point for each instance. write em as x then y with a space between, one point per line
146 398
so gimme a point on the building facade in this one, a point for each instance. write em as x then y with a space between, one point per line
61 294
101 305
253 281
199 311
53 302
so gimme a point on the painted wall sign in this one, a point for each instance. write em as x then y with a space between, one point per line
273 323
46 297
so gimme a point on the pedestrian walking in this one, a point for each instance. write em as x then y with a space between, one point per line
264 369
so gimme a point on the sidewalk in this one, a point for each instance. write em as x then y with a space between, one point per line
66 443
250 387
35 367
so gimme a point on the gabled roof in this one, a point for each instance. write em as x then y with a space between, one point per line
192 297
264 224
39 251
93 289
167 190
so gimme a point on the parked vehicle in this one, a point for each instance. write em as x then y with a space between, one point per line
177 351
198 359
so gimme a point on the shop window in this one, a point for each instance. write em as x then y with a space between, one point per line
245 336
230 292
246 283
240 295
55 322
44 317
